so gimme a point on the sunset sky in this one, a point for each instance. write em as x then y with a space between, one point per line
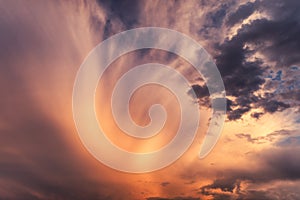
256 47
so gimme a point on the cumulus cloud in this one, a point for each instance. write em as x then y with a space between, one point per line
275 37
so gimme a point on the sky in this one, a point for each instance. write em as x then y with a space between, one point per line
256 47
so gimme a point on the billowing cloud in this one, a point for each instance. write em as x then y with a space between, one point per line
243 71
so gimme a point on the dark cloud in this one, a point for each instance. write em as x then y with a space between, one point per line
202 94
238 113
273 106
284 162
127 11
215 19
241 13
282 31
164 184
257 115
241 78
295 95
255 194
200 91
271 137
226 185
292 141
175 198
278 38
277 163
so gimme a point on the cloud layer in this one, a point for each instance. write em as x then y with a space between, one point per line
256 46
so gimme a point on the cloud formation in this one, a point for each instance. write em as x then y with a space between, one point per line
256 46
240 60
277 166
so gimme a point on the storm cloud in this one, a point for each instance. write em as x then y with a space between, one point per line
243 72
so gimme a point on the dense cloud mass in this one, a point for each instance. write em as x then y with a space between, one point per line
244 72
256 46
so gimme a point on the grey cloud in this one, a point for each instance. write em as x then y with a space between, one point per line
226 185
284 162
241 13
175 198
291 95
272 37
200 91
216 19
292 141
238 113
273 106
276 38
126 10
255 194
257 115
164 184
277 163
241 78
271 137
